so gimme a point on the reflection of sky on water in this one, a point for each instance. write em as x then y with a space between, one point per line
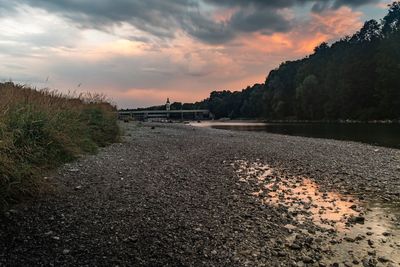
326 209
379 235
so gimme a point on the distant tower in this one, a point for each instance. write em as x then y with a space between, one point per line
168 105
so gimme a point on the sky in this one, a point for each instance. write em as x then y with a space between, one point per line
139 52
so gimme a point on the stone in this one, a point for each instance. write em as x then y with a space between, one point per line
349 239
386 234
357 219
307 259
383 259
295 246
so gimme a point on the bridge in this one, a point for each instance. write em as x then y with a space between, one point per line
197 114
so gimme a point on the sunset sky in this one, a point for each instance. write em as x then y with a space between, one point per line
139 52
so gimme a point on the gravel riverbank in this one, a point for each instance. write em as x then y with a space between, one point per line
171 195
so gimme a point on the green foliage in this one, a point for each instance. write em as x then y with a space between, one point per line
40 130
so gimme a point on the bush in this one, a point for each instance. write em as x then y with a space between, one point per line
40 130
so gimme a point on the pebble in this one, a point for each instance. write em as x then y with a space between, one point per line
307 259
383 259
386 234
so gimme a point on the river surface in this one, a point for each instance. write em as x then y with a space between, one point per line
387 135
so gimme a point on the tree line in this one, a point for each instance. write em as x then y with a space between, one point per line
357 77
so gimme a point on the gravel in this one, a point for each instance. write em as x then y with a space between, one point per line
169 196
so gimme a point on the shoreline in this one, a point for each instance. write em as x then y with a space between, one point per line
309 121
169 195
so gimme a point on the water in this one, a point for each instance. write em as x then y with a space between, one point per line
387 135
378 235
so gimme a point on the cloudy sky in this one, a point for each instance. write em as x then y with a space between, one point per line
139 52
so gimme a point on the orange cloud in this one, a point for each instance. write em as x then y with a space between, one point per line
325 27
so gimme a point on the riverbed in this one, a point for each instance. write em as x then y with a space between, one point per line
178 195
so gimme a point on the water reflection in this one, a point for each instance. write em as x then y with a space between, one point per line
377 134
301 196
372 226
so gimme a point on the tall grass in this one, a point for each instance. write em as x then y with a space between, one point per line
40 130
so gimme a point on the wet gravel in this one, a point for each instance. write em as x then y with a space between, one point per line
169 196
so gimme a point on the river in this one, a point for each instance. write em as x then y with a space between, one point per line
387 135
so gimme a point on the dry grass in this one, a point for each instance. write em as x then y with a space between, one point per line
39 130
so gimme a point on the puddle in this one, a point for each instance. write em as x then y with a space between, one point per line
378 237
359 229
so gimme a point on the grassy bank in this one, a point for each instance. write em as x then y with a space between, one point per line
40 130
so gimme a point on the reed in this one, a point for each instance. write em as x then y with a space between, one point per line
42 129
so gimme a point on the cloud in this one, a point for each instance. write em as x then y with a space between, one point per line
320 6
163 19
140 52
353 3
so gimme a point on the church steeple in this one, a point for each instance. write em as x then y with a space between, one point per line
168 105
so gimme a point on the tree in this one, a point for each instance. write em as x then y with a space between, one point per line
391 22
307 96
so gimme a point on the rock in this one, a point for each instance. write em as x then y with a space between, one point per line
48 233
369 262
357 219
295 246
307 259
282 254
349 239
13 211
383 259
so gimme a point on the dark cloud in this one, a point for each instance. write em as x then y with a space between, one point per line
209 31
291 3
258 3
159 18
353 3
163 18
260 20
320 6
